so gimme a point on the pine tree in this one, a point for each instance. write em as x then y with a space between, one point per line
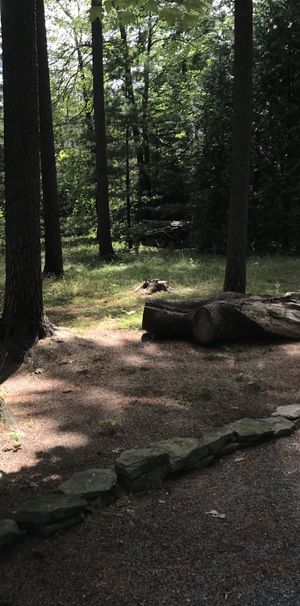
235 276
23 317
53 249
104 230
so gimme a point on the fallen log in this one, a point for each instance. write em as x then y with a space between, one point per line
225 317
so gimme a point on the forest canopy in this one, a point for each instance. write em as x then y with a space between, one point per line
168 95
156 123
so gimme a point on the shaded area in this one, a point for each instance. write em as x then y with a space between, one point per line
163 548
79 400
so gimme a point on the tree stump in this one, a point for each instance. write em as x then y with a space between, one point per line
154 285
225 317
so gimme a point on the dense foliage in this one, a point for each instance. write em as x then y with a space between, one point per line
168 103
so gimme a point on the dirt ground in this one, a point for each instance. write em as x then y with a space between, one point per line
80 400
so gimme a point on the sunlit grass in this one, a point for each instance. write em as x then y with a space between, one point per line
95 295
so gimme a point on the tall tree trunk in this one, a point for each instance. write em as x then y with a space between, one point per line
104 230
145 113
128 200
235 276
84 88
53 249
130 96
23 316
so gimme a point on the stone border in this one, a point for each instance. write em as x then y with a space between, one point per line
141 469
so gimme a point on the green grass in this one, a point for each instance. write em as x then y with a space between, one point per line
92 294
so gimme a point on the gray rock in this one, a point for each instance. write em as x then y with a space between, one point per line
9 532
133 463
280 426
249 431
151 479
216 440
291 411
205 462
47 529
50 508
228 449
183 453
91 483
186 454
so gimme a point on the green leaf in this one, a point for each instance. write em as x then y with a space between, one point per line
127 17
170 14
108 6
190 19
181 135
151 6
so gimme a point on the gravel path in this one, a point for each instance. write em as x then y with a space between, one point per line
162 548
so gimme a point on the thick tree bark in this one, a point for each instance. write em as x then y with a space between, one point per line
235 275
53 248
225 317
104 229
23 317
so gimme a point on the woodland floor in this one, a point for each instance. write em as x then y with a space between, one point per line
82 399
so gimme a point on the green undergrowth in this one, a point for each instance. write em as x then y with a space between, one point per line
95 295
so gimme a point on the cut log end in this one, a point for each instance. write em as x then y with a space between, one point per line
203 328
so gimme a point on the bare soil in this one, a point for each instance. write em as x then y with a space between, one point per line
80 400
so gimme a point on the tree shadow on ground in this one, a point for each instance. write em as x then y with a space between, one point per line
162 547
79 401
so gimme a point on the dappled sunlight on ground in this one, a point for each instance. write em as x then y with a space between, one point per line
80 399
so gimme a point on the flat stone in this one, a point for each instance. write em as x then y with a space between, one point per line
183 453
280 426
251 430
151 479
47 529
91 483
217 439
133 463
291 411
50 508
186 454
9 533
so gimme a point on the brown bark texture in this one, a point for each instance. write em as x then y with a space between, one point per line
235 275
53 247
104 228
225 317
23 317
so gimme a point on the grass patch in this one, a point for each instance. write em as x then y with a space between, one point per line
94 295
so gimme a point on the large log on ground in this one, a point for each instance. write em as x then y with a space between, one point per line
225 317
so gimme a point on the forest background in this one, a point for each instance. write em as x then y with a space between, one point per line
168 93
